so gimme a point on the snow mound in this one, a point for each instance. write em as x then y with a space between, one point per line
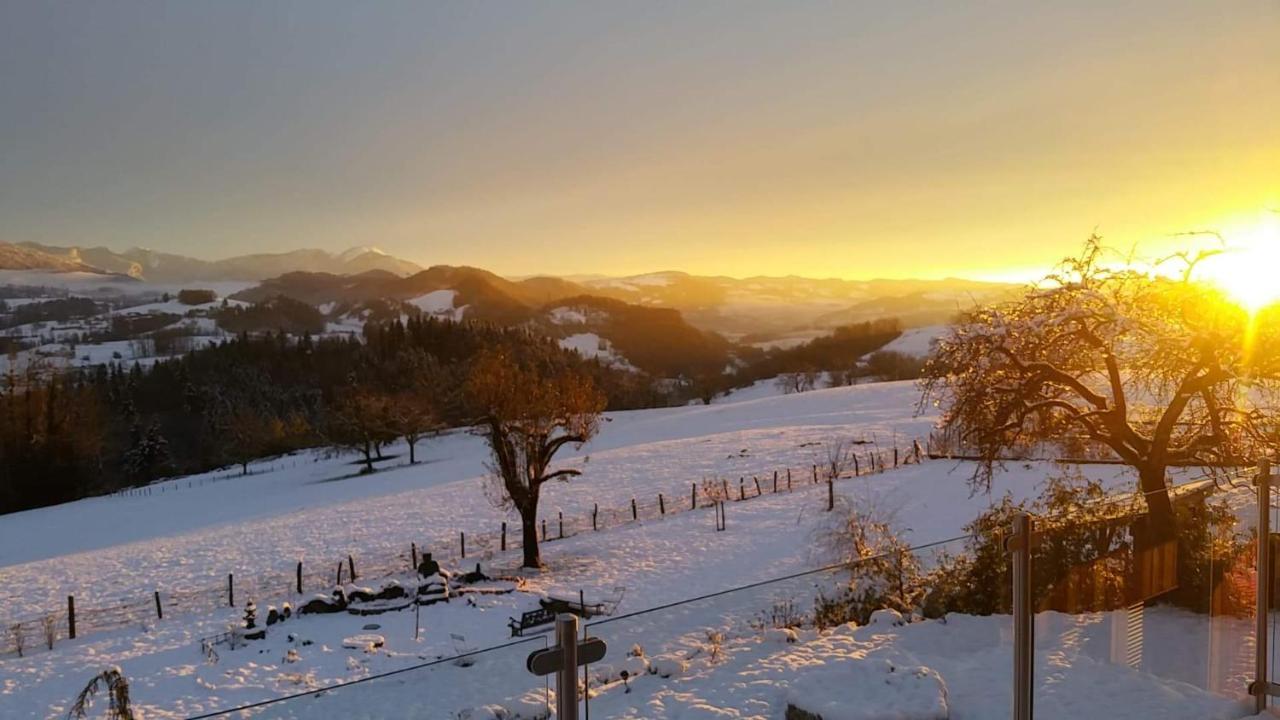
886 618
364 642
781 635
853 689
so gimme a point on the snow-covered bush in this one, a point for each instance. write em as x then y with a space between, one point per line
882 570
783 613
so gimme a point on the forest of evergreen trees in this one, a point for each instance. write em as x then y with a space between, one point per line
70 434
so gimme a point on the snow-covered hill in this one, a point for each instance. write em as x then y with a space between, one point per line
190 533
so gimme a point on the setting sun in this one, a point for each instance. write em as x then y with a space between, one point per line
1249 266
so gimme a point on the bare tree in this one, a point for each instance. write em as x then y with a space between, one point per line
797 382
249 434
1160 370
837 457
411 416
528 413
360 422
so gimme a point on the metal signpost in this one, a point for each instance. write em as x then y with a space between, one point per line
563 660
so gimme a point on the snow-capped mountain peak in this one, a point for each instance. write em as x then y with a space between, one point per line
356 252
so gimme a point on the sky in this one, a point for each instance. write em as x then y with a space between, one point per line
845 139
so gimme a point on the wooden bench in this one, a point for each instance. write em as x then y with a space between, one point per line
530 620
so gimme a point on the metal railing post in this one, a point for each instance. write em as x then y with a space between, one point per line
1261 684
1019 546
567 676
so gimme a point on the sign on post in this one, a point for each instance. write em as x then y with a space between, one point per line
563 661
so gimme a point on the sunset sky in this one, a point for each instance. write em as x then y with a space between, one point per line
841 139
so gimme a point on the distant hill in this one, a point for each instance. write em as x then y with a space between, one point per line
161 267
22 257
484 295
760 310
656 340
763 305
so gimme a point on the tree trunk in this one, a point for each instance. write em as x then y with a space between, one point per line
412 458
529 535
1159 505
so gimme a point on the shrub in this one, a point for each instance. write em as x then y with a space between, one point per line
1086 554
883 570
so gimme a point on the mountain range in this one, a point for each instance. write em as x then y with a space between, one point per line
754 309
161 267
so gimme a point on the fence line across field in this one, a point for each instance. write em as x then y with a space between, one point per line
268 587
605 623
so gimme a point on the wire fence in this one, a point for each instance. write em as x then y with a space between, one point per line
745 604
32 633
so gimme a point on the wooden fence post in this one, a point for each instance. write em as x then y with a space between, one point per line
831 494
757 482
231 589
634 516
159 610
725 483
71 617
544 529
662 505
299 577
788 479
561 513
595 510
351 565
815 474
413 555
462 540
856 470
742 491
895 456
693 496
775 482
338 577
504 536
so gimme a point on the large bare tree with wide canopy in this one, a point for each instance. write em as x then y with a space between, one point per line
1143 360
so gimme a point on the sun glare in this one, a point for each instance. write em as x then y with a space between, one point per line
1248 269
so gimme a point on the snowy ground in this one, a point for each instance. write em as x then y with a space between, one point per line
190 532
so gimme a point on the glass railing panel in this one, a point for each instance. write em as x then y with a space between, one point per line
909 631
484 683
1139 607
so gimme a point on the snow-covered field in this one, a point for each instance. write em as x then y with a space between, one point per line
191 532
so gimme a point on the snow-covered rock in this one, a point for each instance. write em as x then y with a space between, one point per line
668 666
885 618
